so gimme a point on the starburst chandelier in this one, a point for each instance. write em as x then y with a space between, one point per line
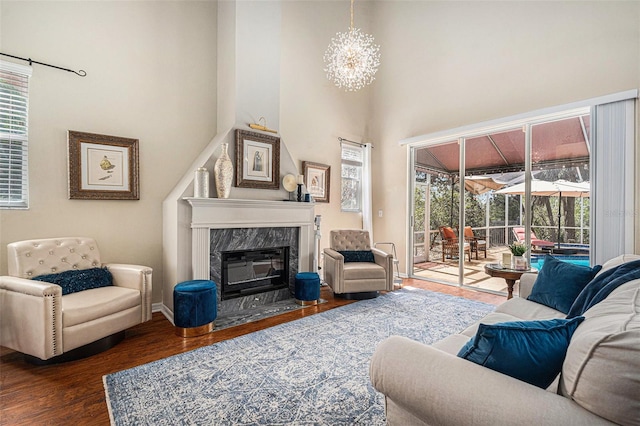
352 59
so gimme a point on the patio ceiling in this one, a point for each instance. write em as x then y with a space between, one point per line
554 144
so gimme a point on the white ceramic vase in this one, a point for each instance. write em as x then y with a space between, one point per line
223 173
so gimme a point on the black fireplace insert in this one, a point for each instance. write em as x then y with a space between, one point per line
246 272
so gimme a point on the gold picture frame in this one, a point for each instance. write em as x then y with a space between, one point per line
317 179
102 167
257 160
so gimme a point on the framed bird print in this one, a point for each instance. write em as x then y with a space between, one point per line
102 167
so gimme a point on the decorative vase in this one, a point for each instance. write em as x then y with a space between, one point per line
201 183
520 263
223 172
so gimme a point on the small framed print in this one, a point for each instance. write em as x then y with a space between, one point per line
317 179
257 160
102 167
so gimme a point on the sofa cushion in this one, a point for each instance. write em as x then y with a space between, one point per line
559 283
523 309
490 318
76 280
601 371
97 303
531 351
357 255
602 285
452 343
363 271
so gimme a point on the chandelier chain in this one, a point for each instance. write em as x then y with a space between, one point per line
351 27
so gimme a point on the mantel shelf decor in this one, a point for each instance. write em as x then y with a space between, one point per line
257 160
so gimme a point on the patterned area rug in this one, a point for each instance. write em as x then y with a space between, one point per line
312 371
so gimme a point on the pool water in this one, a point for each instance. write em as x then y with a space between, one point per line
538 261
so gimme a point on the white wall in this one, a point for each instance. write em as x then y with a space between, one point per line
449 64
151 75
313 112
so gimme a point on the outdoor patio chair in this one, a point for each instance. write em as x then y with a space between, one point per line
450 245
535 241
476 243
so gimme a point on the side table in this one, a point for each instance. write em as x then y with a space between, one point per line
509 275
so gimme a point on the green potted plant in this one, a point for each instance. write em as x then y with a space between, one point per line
518 250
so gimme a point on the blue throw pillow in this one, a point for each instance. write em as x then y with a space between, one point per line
559 283
531 351
73 281
357 255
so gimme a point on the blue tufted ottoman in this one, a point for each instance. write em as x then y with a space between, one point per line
307 290
195 307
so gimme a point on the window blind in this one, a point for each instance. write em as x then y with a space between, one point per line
14 110
613 154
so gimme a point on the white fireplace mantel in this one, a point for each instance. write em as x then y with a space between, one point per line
220 213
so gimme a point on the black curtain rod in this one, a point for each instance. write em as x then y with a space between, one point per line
81 73
354 142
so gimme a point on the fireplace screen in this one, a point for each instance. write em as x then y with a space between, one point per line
246 272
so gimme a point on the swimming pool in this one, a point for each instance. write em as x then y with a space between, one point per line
537 261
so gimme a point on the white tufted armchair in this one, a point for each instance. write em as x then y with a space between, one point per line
356 279
37 320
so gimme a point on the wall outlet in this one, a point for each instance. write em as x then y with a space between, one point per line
379 213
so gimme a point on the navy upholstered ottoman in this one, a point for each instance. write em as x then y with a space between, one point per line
195 307
307 291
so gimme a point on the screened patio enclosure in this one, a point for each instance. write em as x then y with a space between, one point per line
489 163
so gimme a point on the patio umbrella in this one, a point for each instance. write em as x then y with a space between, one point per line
544 188
481 184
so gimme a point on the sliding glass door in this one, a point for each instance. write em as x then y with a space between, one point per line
474 195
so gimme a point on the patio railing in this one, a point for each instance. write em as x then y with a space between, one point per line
499 236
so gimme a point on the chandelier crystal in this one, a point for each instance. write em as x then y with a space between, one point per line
352 59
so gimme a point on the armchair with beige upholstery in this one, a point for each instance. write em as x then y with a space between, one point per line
359 278
37 320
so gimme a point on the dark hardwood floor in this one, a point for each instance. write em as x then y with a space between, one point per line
73 393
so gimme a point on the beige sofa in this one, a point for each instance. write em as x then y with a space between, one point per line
37 320
599 383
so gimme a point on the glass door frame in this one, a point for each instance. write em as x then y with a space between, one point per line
461 136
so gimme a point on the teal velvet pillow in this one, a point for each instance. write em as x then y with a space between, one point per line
559 283
357 255
78 280
531 351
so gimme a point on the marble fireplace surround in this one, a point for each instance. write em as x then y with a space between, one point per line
238 217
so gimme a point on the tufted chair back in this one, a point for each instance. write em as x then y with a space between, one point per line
350 239
28 259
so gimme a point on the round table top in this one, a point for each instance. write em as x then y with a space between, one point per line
497 270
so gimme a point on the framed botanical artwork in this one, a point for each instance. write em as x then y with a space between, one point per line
102 167
317 179
257 160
